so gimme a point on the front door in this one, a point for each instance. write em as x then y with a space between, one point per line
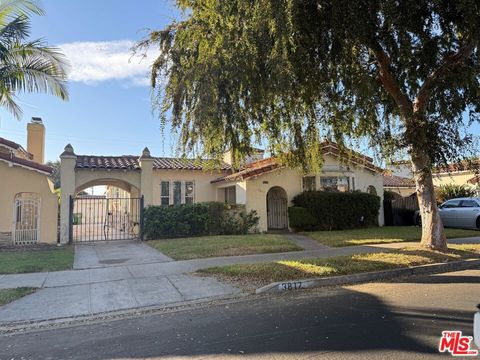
277 209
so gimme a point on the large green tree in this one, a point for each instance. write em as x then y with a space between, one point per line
402 73
25 65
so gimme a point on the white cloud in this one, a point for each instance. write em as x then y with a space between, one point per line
92 62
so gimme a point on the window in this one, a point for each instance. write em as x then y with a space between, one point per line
334 183
230 195
451 204
177 192
165 193
469 203
328 183
189 193
371 190
309 183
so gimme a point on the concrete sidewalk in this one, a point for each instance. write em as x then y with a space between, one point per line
87 299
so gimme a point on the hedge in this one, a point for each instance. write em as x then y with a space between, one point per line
322 210
209 218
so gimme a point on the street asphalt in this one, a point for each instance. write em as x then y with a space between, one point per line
396 320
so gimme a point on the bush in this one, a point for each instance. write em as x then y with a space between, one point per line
452 191
335 210
211 218
300 218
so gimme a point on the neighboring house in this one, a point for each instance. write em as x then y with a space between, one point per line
29 206
400 185
261 185
459 174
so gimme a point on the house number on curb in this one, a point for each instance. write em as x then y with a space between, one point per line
290 285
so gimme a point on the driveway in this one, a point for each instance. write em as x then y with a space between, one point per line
105 280
115 253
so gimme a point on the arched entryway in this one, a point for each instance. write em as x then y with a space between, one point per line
277 209
105 209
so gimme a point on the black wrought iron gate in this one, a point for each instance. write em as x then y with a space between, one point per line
97 218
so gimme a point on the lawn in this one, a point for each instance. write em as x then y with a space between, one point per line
23 261
379 235
9 295
264 273
223 245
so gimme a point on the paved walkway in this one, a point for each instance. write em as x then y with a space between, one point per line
305 242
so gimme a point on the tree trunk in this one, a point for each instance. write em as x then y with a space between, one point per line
433 234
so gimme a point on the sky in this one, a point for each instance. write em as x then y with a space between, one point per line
109 111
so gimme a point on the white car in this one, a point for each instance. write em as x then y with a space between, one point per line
460 213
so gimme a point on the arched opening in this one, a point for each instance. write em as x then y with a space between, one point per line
26 226
277 209
105 210
371 190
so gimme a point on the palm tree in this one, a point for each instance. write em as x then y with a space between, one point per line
26 66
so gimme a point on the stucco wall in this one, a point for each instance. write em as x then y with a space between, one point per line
458 178
204 190
119 178
15 180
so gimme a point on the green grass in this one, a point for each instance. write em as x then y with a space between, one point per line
9 295
379 235
223 245
265 273
24 261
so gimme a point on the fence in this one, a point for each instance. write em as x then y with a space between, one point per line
400 211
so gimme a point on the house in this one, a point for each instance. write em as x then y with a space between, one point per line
28 214
402 186
401 177
262 184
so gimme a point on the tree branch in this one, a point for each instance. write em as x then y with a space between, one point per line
390 83
444 68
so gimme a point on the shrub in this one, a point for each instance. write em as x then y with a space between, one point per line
210 218
337 210
452 191
300 218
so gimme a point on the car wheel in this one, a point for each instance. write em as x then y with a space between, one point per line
478 223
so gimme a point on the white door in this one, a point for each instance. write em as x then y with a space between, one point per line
26 225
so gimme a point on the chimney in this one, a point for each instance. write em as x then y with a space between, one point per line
36 139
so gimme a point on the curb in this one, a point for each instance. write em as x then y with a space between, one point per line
35 325
299 284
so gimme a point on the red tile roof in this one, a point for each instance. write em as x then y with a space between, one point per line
397 181
26 163
131 162
270 164
253 169
15 146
